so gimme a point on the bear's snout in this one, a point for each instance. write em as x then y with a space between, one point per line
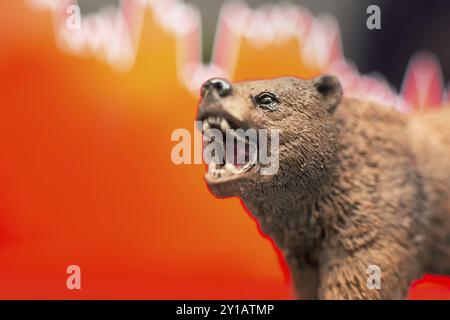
221 86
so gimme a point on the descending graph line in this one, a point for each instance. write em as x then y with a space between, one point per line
113 34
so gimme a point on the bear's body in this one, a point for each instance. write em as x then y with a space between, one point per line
388 204
359 185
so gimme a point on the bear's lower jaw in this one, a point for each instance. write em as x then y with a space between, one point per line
232 184
219 173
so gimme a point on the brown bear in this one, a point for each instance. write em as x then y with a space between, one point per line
358 184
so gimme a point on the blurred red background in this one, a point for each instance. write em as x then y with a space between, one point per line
86 176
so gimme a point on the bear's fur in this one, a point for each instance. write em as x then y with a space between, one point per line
358 184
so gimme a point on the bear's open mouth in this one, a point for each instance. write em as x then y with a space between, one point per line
233 151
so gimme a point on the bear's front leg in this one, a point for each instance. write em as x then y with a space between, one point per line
304 276
368 274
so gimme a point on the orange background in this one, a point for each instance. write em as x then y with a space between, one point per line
86 177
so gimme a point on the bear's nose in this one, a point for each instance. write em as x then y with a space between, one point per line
221 86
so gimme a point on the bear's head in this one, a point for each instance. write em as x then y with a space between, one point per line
287 122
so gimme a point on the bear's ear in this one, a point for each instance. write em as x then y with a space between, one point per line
330 90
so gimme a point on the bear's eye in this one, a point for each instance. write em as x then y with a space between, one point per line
266 100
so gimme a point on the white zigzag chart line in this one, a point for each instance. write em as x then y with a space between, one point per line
113 35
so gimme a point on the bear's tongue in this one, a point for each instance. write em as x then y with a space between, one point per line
241 155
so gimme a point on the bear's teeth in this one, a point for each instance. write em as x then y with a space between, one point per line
212 167
224 125
213 170
214 120
205 126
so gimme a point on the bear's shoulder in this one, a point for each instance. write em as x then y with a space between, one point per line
365 110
